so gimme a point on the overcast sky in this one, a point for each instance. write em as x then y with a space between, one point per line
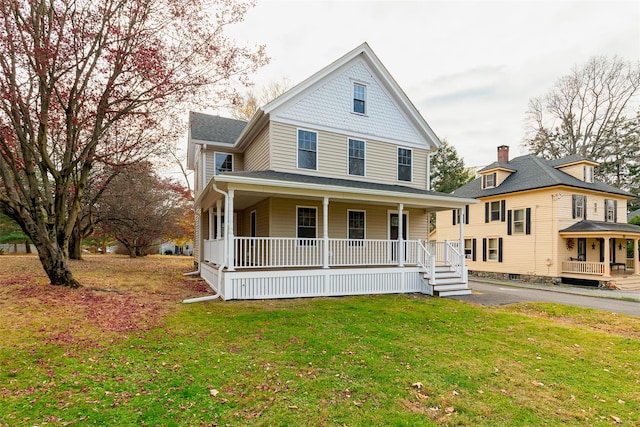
470 67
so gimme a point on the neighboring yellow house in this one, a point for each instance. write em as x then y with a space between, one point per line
545 221
328 189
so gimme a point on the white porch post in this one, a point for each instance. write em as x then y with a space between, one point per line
461 223
228 220
219 218
211 236
607 260
400 236
325 232
636 256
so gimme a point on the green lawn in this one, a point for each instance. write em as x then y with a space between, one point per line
124 351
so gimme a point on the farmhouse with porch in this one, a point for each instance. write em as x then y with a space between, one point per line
546 221
324 192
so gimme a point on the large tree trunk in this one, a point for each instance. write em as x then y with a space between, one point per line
55 265
75 242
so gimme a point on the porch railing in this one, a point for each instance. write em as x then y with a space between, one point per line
583 267
283 252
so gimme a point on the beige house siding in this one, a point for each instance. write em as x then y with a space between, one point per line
540 253
257 155
380 157
262 219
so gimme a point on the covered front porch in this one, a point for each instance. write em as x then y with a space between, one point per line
290 239
601 251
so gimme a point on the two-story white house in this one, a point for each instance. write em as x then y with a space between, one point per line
323 192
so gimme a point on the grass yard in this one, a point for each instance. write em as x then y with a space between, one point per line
124 351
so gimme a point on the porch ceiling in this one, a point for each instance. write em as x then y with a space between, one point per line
251 187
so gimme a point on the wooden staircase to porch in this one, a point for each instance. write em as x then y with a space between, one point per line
628 282
448 282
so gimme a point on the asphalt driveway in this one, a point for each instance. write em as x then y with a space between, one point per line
508 293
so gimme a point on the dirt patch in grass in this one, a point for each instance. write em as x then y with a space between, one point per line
120 295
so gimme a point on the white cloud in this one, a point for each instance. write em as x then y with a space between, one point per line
470 67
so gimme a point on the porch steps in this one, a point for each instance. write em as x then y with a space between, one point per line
448 283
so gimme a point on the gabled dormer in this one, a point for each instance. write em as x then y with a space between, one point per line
576 166
494 174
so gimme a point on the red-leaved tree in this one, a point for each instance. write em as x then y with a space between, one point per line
72 70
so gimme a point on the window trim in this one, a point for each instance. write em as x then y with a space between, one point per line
497 249
215 162
298 130
298 238
364 158
614 207
575 206
410 150
354 99
491 211
364 227
468 256
522 221
485 178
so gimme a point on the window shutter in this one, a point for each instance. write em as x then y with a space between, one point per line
503 207
500 249
486 212
484 181
509 216
528 221
473 250
585 207
466 214
484 249
453 219
615 211
573 206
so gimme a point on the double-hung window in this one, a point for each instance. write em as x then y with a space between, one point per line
578 203
224 162
404 164
495 211
307 225
518 221
610 207
307 150
359 98
356 227
493 249
489 180
356 157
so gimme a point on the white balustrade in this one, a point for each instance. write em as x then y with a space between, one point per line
583 267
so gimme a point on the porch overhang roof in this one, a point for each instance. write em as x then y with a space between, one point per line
291 184
600 228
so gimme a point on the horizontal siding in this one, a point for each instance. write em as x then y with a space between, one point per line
257 155
380 157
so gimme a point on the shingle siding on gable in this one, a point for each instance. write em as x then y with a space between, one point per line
380 158
331 106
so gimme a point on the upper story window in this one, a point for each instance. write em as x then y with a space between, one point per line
359 98
588 173
610 210
307 150
489 180
224 162
404 164
518 221
578 206
356 157
495 211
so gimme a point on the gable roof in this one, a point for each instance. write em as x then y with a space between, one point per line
364 52
530 173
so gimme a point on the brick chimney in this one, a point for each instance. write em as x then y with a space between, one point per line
503 154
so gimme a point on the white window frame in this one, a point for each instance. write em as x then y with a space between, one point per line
469 248
215 161
398 164
579 208
353 98
491 211
298 148
609 208
364 227
588 173
298 238
491 250
521 222
364 158
485 180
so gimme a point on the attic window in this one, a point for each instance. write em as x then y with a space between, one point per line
489 180
588 173
359 98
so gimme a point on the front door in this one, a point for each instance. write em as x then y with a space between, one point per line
394 233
